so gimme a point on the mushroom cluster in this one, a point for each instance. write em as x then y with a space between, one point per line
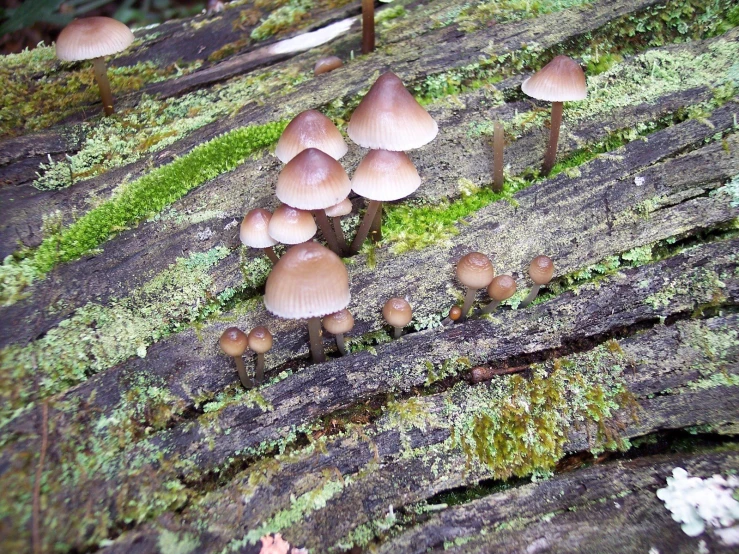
234 342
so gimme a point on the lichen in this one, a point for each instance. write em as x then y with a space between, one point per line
283 18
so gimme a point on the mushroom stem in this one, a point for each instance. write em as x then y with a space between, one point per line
101 76
316 345
530 298
328 233
551 156
259 372
340 343
364 228
490 307
270 251
469 298
497 157
339 234
241 368
368 26
376 229
398 331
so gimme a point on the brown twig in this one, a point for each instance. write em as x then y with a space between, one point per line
36 533
480 373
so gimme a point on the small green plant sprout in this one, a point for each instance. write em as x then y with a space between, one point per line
292 226
475 271
398 313
336 212
93 38
541 270
337 324
501 288
498 143
254 232
327 64
260 341
561 80
310 129
234 342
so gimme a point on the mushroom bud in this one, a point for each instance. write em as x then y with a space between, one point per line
233 342
260 341
398 313
337 324
501 288
329 63
254 232
474 271
541 270
455 313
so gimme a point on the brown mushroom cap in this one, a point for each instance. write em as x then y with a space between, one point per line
308 281
233 341
455 313
384 175
254 230
342 208
561 80
541 270
389 118
329 63
260 340
310 129
339 322
292 226
397 312
475 270
312 180
502 287
92 37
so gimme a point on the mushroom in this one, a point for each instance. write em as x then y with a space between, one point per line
329 63
310 129
335 212
92 38
561 80
398 313
233 342
314 181
498 143
541 270
308 282
501 288
474 271
455 313
368 26
291 226
337 324
260 341
254 232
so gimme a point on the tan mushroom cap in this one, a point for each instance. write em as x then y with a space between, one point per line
254 230
561 80
260 339
384 176
310 129
397 312
339 322
455 313
342 208
541 270
502 287
475 270
308 281
312 180
389 118
292 226
329 63
92 37
233 341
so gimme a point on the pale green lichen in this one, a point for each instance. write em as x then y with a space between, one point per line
283 18
173 543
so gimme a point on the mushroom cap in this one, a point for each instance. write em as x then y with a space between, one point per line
233 341
92 37
329 63
384 175
342 208
541 270
561 80
312 180
310 129
308 281
397 312
260 339
339 322
475 270
254 230
292 226
455 313
502 287
389 118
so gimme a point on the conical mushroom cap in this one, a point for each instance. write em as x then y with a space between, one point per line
384 175
310 129
92 37
308 281
292 226
339 322
342 208
254 229
389 118
397 312
312 180
561 80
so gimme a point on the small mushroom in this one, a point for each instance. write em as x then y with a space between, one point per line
234 342
368 26
292 226
336 212
398 313
455 313
474 271
310 129
254 232
501 288
329 63
260 341
541 270
498 143
337 324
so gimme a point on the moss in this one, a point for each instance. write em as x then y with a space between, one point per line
477 16
283 18
449 368
172 543
704 284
